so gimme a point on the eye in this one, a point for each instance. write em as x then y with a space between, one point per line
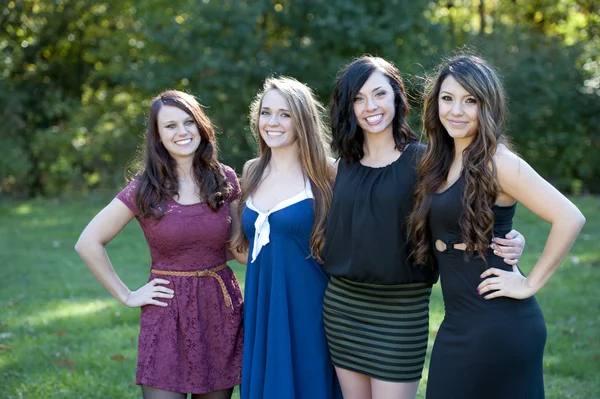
285 114
189 122
170 126
380 94
265 113
446 98
358 99
471 100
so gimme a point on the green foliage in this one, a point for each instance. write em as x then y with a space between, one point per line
77 76
63 336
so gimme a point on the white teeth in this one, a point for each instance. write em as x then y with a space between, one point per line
183 142
374 118
274 134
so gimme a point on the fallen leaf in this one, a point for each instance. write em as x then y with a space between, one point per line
119 358
60 333
68 363
5 348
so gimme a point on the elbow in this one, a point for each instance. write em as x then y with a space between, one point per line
580 220
78 246
81 246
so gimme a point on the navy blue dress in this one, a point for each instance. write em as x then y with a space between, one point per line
489 349
285 351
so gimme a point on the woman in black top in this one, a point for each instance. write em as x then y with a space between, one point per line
376 304
491 342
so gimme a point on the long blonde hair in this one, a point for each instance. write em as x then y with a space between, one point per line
312 138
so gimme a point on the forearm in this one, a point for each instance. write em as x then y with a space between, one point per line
95 257
560 240
241 257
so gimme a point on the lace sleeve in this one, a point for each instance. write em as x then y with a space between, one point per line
127 196
235 183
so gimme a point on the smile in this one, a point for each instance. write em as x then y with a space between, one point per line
457 123
274 134
372 120
183 142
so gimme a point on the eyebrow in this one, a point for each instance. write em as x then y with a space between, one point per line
375 89
280 109
447 92
170 121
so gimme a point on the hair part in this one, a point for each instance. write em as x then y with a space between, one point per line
348 136
311 133
481 187
158 178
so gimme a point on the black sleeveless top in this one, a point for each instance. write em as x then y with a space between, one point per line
366 239
446 209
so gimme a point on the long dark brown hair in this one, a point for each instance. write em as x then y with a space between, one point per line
158 177
347 135
311 134
481 188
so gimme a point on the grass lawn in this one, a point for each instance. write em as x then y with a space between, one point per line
63 336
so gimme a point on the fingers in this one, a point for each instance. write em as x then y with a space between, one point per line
491 272
160 288
488 284
160 281
512 234
157 303
512 262
495 294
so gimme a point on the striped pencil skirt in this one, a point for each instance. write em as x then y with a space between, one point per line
378 330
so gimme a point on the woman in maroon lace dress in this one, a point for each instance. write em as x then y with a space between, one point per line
191 321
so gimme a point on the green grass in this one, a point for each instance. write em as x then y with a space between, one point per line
63 336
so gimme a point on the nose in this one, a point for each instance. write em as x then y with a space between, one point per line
371 104
457 108
181 129
274 120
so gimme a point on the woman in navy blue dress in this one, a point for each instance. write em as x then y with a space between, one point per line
491 341
286 194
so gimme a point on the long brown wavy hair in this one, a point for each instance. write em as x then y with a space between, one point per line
158 176
312 138
478 167
348 137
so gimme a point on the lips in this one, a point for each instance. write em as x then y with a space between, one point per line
458 123
373 120
183 142
274 134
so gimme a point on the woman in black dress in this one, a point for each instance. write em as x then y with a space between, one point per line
491 341
376 304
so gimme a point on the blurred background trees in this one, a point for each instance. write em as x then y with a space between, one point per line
76 76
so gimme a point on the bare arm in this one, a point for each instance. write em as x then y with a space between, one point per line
241 257
90 246
518 181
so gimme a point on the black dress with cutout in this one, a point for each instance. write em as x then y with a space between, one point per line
489 349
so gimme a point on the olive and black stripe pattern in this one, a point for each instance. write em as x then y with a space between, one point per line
378 330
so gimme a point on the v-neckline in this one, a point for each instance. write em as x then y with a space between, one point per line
306 193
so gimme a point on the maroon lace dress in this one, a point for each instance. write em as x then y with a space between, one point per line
194 344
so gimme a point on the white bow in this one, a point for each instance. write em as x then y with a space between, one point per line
262 228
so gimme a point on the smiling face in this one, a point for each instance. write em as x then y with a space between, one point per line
275 122
458 110
374 105
178 132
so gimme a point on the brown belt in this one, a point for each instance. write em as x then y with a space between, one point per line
200 273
